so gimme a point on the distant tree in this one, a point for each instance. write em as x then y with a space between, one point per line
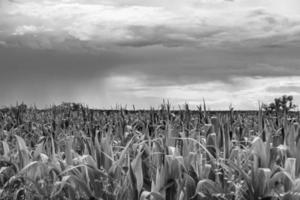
280 105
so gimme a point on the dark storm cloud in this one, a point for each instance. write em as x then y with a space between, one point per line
156 65
185 66
52 76
45 64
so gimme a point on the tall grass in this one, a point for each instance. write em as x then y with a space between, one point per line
72 152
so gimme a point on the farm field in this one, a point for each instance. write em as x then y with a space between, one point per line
149 100
72 152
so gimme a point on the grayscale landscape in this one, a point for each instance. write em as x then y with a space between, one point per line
149 99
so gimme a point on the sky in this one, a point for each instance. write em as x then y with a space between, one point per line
105 53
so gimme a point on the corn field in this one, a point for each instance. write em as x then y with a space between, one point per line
72 152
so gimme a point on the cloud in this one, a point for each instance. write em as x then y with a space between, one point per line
49 76
133 51
130 23
165 66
